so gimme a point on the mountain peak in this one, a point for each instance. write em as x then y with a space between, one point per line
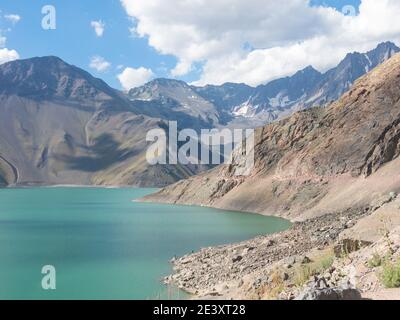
387 45
53 59
157 88
382 52
166 82
49 63
49 76
384 47
309 70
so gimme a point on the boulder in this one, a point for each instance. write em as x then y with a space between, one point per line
329 294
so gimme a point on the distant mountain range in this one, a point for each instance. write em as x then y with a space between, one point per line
240 105
60 125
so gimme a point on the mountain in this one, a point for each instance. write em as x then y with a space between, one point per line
309 87
239 105
225 98
60 125
177 101
52 78
317 161
338 80
279 95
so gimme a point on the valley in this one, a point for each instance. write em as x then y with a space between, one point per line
60 125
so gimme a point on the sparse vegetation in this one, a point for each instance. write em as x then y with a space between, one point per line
326 262
302 275
318 266
275 287
277 284
391 274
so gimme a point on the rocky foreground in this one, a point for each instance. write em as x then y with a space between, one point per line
322 258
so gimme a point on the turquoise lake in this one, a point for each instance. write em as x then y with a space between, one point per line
102 244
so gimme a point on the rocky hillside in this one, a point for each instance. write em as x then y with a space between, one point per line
316 161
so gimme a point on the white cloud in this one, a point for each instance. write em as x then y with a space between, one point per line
98 27
7 55
14 18
286 37
99 64
131 78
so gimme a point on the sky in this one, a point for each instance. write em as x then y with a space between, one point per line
130 42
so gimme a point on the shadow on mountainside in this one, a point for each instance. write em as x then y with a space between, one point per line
106 152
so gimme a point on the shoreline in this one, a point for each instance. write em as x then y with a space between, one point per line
27 186
168 280
152 191
248 269
143 200
223 271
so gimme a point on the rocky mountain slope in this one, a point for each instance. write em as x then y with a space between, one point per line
60 125
316 161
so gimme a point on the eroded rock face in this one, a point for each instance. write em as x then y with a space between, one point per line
299 158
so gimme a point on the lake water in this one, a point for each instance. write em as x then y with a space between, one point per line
102 244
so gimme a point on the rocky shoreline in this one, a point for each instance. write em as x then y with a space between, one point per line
269 267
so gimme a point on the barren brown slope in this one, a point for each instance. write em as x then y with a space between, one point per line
60 125
316 161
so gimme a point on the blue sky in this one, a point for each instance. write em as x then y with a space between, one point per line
75 40
338 4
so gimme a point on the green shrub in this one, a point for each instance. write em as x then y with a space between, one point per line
391 275
326 262
320 264
303 274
